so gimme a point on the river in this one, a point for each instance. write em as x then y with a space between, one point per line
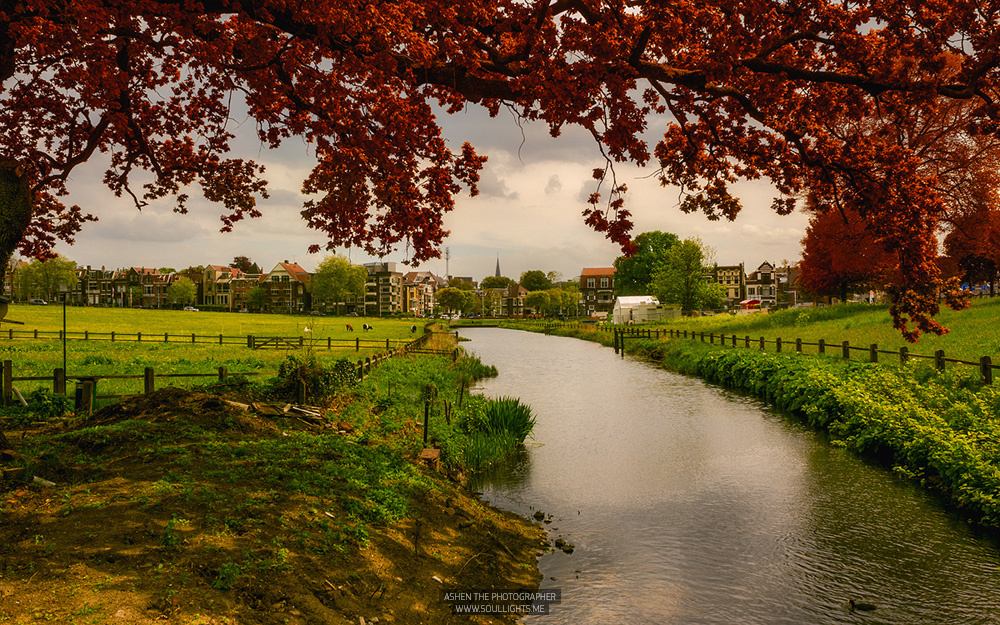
691 504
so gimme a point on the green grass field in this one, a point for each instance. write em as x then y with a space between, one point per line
973 332
126 356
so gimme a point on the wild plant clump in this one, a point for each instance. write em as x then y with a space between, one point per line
42 405
319 379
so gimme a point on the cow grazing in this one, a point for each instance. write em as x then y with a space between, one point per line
350 328
413 329
367 327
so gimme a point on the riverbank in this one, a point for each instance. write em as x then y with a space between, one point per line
941 430
181 507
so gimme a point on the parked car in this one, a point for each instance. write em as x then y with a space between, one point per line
191 308
38 302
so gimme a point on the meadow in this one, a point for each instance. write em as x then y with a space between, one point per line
167 345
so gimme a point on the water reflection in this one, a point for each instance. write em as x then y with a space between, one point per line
688 504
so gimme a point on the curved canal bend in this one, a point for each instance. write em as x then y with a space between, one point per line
690 504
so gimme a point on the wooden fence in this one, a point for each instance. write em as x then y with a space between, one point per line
87 384
250 340
845 349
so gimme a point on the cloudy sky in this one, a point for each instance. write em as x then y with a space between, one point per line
532 193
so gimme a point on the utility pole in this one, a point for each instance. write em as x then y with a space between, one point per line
447 258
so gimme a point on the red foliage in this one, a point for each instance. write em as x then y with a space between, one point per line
769 88
840 256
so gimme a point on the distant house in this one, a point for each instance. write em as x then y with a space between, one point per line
734 280
419 289
383 289
762 285
216 284
287 286
597 290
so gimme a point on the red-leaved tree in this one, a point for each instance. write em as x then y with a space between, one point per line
743 90
840 256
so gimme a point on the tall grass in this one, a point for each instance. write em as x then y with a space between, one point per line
972 332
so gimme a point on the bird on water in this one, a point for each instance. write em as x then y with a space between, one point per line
864 607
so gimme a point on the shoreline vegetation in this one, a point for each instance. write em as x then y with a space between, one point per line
938 429
183 506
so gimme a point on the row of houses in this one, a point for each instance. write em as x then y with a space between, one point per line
285 288
767 286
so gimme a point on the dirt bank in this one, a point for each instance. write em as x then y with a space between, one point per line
180 508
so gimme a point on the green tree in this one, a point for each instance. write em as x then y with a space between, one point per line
634 274
244 264
43 278
335 279
182 291
455 300
257 297
535 280
684 279
538 301
496 282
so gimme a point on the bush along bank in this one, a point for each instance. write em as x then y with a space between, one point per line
940 429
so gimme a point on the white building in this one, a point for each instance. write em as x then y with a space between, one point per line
640 309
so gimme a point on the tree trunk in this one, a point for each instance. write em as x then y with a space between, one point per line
15 212
15 215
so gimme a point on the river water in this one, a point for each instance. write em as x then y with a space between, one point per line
691 504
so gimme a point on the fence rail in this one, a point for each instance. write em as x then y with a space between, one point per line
249 340
985 363
87 384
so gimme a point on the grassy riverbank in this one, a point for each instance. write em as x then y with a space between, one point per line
939 429
179 506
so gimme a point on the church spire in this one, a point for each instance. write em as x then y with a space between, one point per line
498 265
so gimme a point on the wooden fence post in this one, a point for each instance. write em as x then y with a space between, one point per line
711 338
86 335
329 343
748 341
112 336
149 381
939 359
763 346
357 345
777 344
223 372
220 339
822 346
166 337
87 397
904 354
59 381
250 341
986 368
798 345
138 337
873 352
8 380
847 350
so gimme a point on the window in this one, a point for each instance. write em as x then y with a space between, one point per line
604 283
590 283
